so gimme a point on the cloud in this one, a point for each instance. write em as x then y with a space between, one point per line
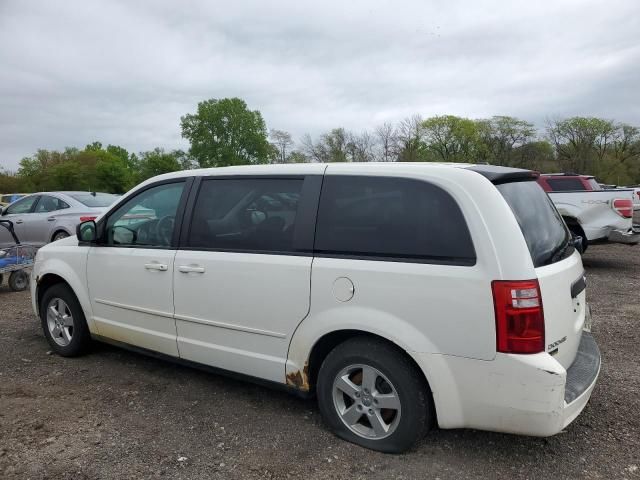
124 72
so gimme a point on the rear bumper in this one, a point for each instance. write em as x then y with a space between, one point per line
629 237
522 394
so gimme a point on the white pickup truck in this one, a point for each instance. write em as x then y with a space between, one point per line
598 215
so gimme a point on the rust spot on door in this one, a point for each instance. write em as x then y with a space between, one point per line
299 379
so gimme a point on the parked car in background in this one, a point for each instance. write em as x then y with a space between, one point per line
8 198
402 295
636 197
562 182
44 217
598 215
595 213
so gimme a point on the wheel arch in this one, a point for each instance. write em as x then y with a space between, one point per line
58 230
54 271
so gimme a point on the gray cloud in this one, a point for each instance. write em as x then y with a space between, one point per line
124 72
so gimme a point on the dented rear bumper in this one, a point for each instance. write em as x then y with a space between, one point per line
523 394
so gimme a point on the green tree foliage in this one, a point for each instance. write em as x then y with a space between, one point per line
225 132
604 148
449 138
157 162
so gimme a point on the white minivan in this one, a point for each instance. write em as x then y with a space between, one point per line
402 295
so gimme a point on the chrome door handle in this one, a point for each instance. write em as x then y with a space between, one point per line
190 269
156 266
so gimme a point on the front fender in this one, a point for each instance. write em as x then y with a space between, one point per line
72 269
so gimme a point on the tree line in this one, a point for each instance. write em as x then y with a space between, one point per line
224 132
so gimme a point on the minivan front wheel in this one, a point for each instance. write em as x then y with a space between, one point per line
371 394
63 321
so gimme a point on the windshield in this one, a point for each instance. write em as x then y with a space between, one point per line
95 199
545 232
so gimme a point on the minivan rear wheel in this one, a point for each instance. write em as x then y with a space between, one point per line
371 394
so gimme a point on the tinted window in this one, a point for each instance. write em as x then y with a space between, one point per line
50 204
391 218
565 184
147 219
544 230
95 199
246 214
22 206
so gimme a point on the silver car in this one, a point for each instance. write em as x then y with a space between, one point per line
44 217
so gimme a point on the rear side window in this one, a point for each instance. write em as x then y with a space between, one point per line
594 185
544 230
565 184
390 218
50 204
95 200
257 215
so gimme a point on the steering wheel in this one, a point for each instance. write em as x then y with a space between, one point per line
164 229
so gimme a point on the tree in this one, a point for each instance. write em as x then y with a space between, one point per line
281 141
360 147
580 142
499 136
156 162
388 142
297 157
409 135
225 132
451 139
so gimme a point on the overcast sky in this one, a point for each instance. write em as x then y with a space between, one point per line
123 72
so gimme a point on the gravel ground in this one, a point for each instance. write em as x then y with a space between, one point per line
115 414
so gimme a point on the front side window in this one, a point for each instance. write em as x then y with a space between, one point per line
22 206
147 219
391 218
246 215
50 204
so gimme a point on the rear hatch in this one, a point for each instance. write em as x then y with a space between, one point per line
557 264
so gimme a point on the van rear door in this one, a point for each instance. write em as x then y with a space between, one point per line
557 264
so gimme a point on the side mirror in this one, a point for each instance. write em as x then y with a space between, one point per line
576 240
3 210
87 232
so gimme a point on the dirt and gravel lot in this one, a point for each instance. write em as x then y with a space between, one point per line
115 414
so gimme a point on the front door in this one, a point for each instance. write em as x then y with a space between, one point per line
18 212
242 278
130 273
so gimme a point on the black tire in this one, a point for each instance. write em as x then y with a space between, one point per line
18 281
416 407
80 336
1 279
59 235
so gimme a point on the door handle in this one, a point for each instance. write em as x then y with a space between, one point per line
19 221
161 267
51 219
190 269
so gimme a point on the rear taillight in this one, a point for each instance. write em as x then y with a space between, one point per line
623 207
519 316
86 219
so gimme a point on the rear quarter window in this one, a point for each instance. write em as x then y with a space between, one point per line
544 230
391 219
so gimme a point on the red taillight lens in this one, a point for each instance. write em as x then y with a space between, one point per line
623 207
519 316
86 219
